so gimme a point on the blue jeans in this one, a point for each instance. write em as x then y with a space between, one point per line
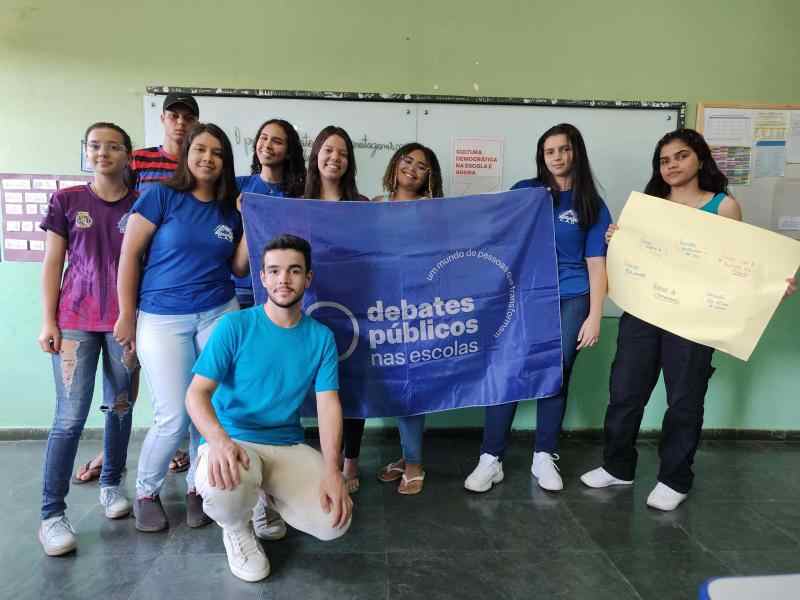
74 369
168 346
411 429
549 411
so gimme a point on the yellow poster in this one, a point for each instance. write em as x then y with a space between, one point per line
703 277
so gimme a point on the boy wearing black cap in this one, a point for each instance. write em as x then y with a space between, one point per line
152 165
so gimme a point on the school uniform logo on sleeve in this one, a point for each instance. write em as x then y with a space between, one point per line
83 219
569 216
224 232
123 223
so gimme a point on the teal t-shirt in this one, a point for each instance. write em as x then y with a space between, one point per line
264 373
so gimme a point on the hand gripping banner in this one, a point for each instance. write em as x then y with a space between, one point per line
435 304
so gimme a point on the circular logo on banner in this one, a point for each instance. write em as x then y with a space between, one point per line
348 313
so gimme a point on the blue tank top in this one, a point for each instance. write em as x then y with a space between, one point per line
712 206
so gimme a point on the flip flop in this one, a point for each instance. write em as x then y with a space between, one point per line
87 469
392 472
179 462
412 486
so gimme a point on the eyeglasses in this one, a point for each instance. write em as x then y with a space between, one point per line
409 162
110 146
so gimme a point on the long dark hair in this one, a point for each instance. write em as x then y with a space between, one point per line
293 182
432 187
348 181
709 178
585 197
128 178
225 189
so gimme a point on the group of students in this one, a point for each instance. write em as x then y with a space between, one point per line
158 271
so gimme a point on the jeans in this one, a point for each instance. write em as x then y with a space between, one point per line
168 346
411 429
74 369
549 411
643 350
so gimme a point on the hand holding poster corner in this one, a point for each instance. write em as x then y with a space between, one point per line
434 304
711 280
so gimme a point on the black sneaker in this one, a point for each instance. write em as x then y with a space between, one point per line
150 515
195 517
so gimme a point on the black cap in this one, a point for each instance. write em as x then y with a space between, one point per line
187 100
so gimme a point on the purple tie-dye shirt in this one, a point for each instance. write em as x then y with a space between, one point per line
93 229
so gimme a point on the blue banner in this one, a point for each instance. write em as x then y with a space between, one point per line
435 304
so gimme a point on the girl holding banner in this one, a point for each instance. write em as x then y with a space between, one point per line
331 175
684 172
171 299
413 173
277 169
86 223
581 219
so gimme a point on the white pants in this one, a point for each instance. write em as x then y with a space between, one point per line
289 475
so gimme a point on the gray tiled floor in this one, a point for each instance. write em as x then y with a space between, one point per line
743 517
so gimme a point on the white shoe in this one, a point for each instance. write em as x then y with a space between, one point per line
114 503
546 472
246 558
488 472
665 498
57 536
600 478
267 523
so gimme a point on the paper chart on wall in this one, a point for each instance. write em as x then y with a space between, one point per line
703 277
793 138
730 136
478 165
24 200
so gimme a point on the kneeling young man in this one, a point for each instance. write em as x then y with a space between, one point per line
245 397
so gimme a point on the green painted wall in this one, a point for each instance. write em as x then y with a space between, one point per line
66 64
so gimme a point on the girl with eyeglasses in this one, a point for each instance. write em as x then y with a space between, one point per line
413 173
86 223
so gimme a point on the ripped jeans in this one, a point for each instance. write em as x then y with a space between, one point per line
74 370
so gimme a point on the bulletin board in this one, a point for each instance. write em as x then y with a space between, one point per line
25 199
758 147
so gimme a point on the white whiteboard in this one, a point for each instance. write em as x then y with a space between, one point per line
620 141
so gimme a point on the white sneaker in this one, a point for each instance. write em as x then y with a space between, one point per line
246 558
115 504
488 472
546 472
600 478
267 523
57 536
665 498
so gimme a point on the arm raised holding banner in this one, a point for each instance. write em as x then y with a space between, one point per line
580 221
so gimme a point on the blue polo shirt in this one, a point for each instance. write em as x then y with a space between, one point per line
188 265
264 373
574 244
255 185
